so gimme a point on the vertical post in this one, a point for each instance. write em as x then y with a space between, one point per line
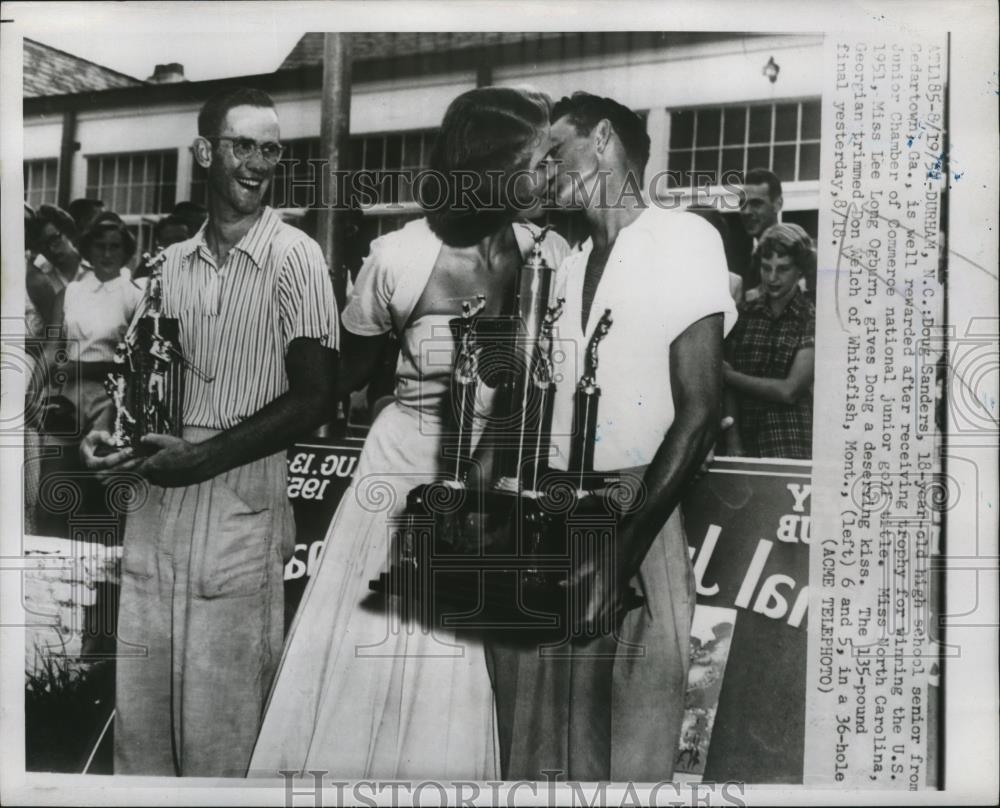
335 127
67 153
658 129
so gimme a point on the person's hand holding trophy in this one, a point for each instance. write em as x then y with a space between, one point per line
146 388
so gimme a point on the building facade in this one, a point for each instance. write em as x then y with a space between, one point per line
713 102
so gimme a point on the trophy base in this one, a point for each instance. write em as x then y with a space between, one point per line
498 560
501 600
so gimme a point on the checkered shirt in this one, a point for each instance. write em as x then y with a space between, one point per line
765 346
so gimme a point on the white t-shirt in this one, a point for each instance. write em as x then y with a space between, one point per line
666 271
96 314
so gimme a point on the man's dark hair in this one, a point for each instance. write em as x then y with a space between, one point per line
585 111
171 220
214 111
483 138
761 176
84 211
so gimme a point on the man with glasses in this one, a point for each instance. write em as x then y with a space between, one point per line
201 619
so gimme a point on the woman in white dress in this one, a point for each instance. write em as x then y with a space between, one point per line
362 691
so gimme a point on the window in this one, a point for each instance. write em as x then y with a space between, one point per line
298 176
41 182
783 137
134 183
407 152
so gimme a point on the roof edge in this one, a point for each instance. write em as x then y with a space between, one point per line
309 77
84 59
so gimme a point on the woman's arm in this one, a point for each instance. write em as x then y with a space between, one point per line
782 391
360 360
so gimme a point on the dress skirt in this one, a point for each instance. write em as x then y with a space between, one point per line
363 691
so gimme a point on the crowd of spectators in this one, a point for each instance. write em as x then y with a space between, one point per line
83 283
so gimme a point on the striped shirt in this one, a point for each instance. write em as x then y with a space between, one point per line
237 320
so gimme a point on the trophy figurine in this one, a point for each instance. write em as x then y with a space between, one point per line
147 383
116 385
159 417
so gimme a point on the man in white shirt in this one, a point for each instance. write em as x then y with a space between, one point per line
610 706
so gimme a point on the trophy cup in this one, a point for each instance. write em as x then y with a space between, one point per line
500 550
147 383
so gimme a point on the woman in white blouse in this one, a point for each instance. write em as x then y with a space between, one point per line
363 691
97 308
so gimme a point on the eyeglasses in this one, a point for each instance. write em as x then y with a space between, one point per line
244 148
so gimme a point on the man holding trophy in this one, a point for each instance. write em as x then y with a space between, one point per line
201 617
651 285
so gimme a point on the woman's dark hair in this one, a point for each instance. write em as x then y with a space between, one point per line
467 193
107 221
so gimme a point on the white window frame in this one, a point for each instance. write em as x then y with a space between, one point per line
48 193
109 192
798 194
